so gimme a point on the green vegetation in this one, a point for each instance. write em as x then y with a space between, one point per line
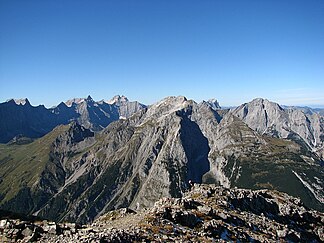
22 165
271 167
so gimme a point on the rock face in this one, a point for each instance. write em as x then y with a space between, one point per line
90 114
19 118
72 174
269 118
125 107
206 213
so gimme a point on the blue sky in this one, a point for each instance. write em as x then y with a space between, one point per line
230 50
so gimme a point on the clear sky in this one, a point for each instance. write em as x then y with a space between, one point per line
234 51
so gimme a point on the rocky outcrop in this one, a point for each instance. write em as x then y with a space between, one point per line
205 213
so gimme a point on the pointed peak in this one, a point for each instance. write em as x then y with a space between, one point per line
10 101
62 104
117 99
213 103
23 101
76 101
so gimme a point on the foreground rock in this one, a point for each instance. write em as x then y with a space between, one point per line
206 213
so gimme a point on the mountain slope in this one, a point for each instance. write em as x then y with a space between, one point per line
153 154
139 161
30 173
246 159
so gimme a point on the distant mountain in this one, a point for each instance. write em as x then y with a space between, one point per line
73 175
125 107
269 118
306 109
19 118
213 103
319 111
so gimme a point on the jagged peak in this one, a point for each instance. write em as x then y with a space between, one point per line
23 101
89 98
62 104
70 102
77 101
117 99
213 100
213 103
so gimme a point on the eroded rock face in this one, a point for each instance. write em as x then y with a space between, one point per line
125 107
205 213
150 155
267 117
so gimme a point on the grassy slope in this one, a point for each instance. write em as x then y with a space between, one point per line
22 165
271 166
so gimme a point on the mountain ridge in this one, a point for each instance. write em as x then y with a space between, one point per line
154 153
20 118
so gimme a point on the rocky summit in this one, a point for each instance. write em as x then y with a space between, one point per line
206 213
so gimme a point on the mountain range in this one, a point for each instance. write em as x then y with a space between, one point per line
19 119
91 157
